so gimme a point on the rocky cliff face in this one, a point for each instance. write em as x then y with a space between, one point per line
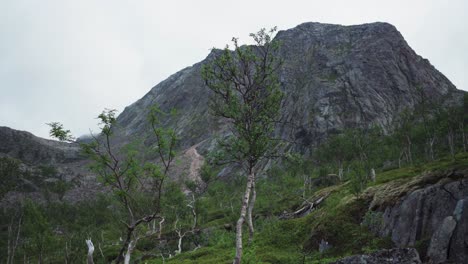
430 212
333 77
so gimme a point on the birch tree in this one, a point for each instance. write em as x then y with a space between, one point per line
246 92
128 175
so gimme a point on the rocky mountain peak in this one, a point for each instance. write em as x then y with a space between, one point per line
333 76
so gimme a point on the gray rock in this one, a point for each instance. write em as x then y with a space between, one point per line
440 242
333 76
419 214
323 246
437 212
459 243
390 256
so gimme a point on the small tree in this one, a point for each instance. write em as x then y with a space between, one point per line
39 231
358 179
127 175
246 92
429 126
58 131
403 134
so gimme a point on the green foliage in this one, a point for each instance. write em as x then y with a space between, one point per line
246 92
9 174
342 219
57 131
373 221
358 179
37 226
59 187
57 231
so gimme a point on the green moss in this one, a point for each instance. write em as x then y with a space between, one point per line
407 173
208 255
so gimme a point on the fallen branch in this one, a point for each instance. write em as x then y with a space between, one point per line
306 208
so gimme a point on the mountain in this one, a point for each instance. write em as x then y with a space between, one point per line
33 150
333 77
38 166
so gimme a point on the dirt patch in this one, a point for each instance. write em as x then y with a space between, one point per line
196 162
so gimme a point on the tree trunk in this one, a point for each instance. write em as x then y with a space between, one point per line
462 128
90 251
126 244
160 228
194 212
410 155
130 248
179 243
40 257
372 175
402 154
10 231
340 172
304 185
431 148
253 197
240 222
450 139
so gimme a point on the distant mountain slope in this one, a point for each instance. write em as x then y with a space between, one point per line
333 76
42 164
34 150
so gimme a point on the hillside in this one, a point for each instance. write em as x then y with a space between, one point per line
38 167
403 208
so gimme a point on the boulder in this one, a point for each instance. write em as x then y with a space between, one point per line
458 251
440 242
435 210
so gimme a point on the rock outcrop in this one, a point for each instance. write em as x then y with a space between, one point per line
432 210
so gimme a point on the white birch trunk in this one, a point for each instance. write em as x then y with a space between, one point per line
90 251
130 248
372 175
160 227
340 173
253 197
179 244
240 222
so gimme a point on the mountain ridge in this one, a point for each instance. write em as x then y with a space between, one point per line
333 76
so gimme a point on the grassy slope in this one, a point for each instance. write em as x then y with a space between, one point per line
337 221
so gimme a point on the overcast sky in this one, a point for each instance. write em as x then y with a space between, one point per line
68 60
